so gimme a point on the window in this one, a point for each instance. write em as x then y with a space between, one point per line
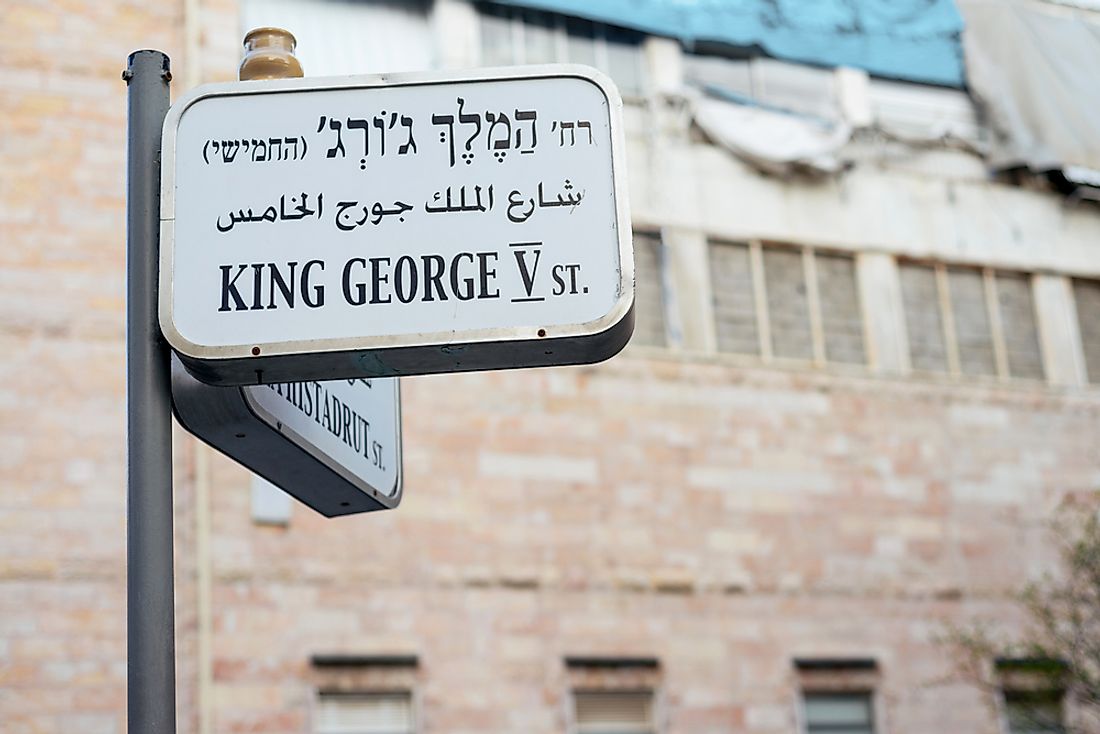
837 694
270 505
1086 293
514 36
650 322
1021 331
613 712
1033 712
839 713
364 713
364 693
920 296
970 315
970 321
613 695
841 316
1032 693
786 302
734 301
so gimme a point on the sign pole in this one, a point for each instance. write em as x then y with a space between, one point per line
150 614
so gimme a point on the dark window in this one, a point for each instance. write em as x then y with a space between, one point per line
1033 712
613 712
839 713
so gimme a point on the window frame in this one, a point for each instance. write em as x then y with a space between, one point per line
827 675
814 313
1090 378
869 693
1038 678
1004 693
993 314
575 727
587 673
365 692
339 673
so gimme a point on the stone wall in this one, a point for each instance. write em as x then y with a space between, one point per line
62 412
723 519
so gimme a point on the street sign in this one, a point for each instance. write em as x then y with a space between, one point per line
336 446
395 224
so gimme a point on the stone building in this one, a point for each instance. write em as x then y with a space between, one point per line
862 380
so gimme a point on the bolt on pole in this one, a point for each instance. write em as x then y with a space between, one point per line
150 613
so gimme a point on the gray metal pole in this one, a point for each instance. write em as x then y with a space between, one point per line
150 614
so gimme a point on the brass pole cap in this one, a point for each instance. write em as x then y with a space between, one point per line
269 54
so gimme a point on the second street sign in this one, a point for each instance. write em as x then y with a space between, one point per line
395 224
336 446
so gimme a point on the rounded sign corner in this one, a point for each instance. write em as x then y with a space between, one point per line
397 491
187 100
177 341
597 78
620 310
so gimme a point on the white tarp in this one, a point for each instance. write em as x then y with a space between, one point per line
1035 68
787 118
773 141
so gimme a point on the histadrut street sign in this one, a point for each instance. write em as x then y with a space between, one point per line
314 229
336 446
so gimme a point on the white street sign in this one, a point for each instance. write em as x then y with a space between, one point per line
395 224
334 445
354 423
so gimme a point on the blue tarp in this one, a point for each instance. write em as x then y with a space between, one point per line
915 40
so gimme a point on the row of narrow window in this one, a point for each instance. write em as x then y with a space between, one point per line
632 712
791 303
618 695
392 712
594 712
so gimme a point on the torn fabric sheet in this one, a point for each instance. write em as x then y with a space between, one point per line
773 141
1033 68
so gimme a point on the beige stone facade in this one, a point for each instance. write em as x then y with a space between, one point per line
722 515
